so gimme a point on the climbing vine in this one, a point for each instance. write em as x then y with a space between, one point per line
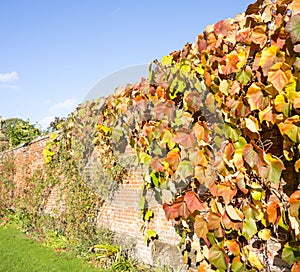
217 127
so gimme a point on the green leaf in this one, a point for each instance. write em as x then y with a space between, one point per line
217 258
275 169
237 265
293 27
249 228
185 169
290 254
117 133
150 235
244 76
232 132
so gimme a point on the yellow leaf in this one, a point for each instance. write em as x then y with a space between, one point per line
297 165
264 234
255 261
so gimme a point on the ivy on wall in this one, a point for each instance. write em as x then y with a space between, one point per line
217 126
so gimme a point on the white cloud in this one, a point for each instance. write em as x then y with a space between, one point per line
8 77
67 105
45 122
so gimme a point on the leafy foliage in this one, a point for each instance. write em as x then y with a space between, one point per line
19 131
217 125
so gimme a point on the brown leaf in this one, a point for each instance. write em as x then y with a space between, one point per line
200 226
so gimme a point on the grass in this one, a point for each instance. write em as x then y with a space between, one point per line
21 254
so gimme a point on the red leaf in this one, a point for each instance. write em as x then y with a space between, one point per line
193 202
176 209
223 27
185 137
163 109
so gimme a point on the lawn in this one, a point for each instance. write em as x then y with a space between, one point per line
21 254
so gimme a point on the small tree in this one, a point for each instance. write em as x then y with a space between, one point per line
19 131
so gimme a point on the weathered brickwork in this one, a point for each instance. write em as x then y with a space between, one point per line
120 214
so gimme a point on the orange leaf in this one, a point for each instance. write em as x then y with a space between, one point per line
173 158
278 78
256 97
272 209
232 60
177 209
259 35
233 246
201 131
193 202
254 156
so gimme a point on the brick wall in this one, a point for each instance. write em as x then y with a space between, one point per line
120 213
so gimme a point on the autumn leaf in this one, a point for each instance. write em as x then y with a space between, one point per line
225 190
173 158
256 97
272 211
233 246
291 128
264 234
275 168
193 202
254 260
200 226
249 228
177 209
218 258
254 156
156 165
295 204
233 213
269 57
185 169
193 101
232 60
278 77
164 109
259 36
293 27
185 138
223 27
201 131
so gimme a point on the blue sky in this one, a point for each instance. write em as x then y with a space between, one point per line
52 52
